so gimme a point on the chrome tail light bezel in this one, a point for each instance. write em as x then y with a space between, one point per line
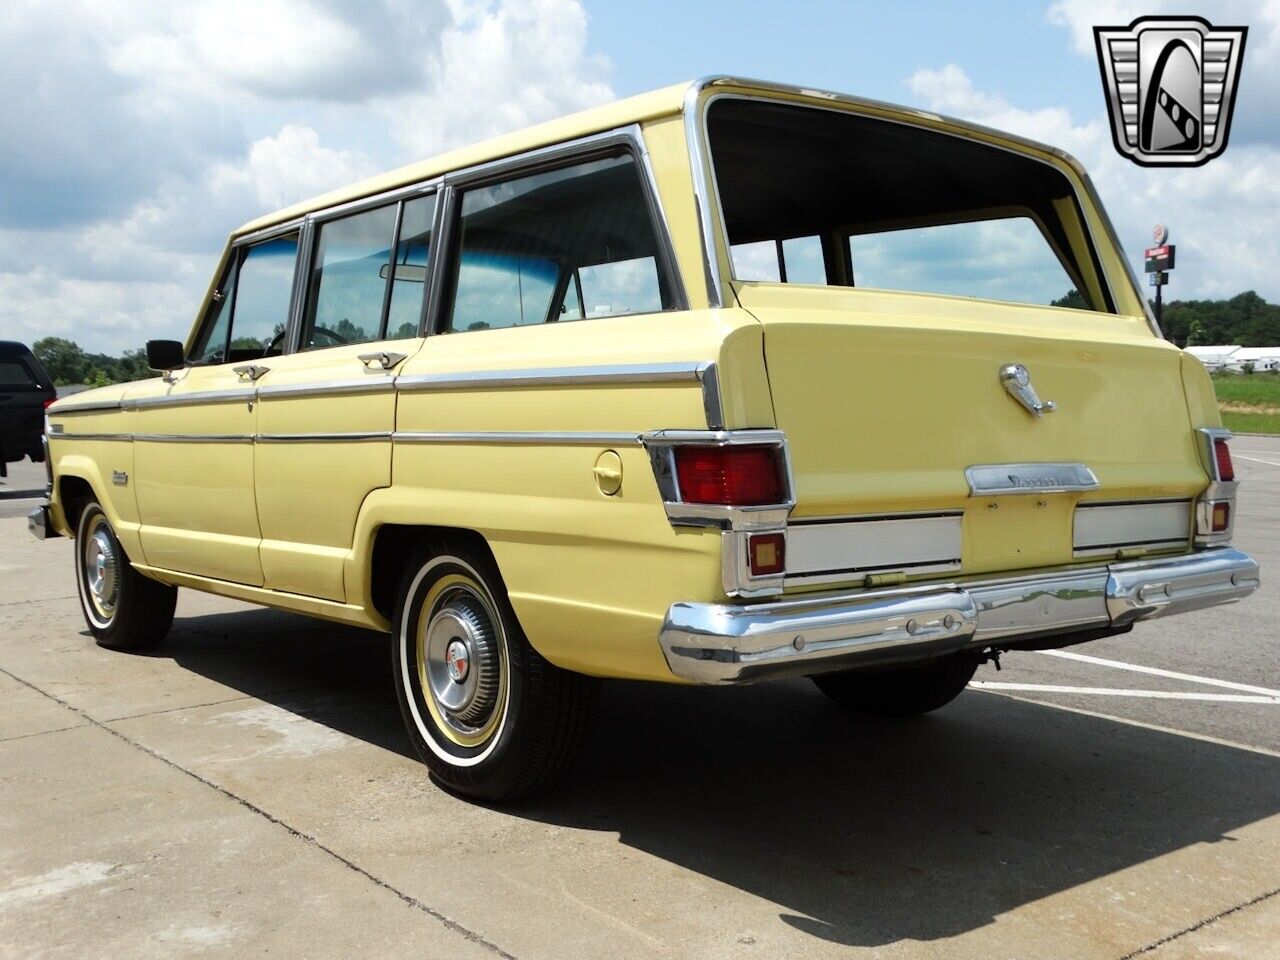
737 523
1218 490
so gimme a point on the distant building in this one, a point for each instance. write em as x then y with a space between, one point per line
1262 359
1215 358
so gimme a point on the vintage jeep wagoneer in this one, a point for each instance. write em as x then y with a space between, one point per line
727 382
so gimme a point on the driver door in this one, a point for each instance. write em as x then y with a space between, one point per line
194 436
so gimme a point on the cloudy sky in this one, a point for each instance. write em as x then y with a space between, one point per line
135 135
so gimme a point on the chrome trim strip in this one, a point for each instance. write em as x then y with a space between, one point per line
556 376
698 160
532 437
321 437
88 406
711 404
329 387
728 643
90 436
268 233
1002 479
193 399
194 437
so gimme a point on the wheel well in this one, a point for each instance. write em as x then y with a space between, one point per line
393 547
74 493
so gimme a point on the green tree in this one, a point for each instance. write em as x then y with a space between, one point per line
1071 298
63 359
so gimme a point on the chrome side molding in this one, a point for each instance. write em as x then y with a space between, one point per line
1002 479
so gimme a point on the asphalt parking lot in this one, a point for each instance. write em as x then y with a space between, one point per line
247 789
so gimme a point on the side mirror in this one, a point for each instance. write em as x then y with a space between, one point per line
165 356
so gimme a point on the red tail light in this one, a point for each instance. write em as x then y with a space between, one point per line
48 403
1226 471
734 476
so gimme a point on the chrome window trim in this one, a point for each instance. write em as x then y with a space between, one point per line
520 437
705 186
375 200
557 376
628 138
268 233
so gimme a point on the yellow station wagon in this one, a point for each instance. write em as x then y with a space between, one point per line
726 382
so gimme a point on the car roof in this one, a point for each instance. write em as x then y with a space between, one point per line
12 348
647 106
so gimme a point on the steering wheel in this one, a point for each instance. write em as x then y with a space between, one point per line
333 338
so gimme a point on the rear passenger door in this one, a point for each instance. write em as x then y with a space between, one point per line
326 412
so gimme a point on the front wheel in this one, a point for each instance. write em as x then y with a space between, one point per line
124 609
903 691
488 715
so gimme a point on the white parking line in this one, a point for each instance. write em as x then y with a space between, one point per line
1241 456
1156 672
1113 692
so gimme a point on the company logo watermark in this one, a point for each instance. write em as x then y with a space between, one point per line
1170 84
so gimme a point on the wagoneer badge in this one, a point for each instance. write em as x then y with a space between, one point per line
1017 381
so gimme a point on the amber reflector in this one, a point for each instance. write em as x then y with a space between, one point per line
766 553
1221 517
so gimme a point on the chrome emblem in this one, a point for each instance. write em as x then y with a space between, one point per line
1017 383
1170 84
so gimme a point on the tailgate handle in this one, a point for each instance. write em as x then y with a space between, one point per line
1017 382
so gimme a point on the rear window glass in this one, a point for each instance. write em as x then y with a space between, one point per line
14 374
816 196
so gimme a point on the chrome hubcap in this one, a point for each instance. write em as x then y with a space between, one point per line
101 570
462 660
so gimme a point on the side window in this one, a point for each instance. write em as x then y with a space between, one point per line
349 279
409 276
14 375
562 244
794 260
260 308
212 345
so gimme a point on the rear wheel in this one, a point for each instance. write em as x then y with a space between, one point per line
488 715
124 609
900 692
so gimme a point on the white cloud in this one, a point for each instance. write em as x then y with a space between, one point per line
1221 215
152 130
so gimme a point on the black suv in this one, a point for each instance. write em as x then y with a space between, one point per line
25 391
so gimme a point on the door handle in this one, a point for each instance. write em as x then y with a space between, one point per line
250 371
385 359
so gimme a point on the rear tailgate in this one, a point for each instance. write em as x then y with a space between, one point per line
888 398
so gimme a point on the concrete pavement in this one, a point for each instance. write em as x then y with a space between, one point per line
247 789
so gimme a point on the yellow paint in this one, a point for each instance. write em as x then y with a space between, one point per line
885 398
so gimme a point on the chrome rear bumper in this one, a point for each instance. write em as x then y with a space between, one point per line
740 643
39 523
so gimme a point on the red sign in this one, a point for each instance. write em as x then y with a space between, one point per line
1157 253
